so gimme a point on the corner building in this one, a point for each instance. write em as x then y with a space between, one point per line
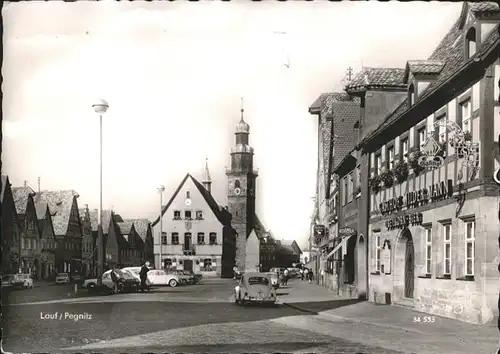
433 206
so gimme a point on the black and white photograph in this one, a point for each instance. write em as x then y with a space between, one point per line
250 177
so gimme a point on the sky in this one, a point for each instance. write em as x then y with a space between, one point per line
173 74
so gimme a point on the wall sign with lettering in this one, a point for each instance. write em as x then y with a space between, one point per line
434 193
386 257
403 221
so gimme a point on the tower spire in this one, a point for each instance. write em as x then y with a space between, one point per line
207 181
242 109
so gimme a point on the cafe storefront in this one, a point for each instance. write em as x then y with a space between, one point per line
433 248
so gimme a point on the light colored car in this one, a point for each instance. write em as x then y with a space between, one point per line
184 278
135 271
62 278
7 280
160 277
255 287
24 281
130 281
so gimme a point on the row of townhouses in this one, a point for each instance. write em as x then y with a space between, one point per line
407 211
45 233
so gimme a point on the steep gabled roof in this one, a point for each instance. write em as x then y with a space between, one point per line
345 115
141 227
221 214
21 196
321 104
106 220
125 227
41 209
450 51
94 219
377 78
60 204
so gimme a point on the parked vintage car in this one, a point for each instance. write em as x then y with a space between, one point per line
135 271
184 279
62 278
160 277
7 280
17 281
196 277
255 288
126 282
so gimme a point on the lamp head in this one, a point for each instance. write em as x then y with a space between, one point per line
161 188
100 107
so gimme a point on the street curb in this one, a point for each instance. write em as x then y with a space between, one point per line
299 308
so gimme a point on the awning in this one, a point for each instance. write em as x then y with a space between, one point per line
342 243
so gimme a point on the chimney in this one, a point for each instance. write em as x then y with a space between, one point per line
38 184
26 183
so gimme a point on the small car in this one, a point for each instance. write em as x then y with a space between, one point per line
255 288
160 277
135 271
126 282
196 277
184 279
62 278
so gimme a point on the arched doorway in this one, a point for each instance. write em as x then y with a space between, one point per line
349 261
361 267
404 265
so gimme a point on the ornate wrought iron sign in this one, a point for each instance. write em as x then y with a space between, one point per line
467 151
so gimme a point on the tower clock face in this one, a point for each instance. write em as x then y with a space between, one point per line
188 202
237 191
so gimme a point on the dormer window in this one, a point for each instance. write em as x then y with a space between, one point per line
470 41
411 95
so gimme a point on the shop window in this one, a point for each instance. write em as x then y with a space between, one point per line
447 249
466 114
421 137
187 214
378 250
390 154
213 238
177 215
470 39
404 149
163 238
428 251
207 265
175 238
470 228
201 238
167 263
378 163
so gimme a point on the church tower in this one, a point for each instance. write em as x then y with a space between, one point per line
241 189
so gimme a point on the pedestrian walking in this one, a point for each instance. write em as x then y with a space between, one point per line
144 275
310 273
114 278
285 277
301 274
306 273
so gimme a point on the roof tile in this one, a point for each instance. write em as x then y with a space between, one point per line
125 227
377 77
21 196
141 227
345 115
60 204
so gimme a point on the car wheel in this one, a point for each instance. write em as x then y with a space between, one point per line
172 283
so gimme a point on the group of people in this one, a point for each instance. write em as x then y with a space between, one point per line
306 273
143 274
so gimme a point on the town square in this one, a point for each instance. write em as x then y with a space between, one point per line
241 176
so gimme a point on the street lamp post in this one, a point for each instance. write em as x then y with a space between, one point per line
100 107
161 189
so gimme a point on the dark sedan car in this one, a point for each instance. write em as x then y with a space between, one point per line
194 277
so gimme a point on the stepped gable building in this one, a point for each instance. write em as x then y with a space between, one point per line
431 207
10 229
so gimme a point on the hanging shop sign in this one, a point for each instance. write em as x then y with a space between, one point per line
403 221
434 193
319 233
347 231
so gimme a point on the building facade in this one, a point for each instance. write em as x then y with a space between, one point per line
10 229
30 231
432 205
132 246
195 231
87 242
145 232
48 243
